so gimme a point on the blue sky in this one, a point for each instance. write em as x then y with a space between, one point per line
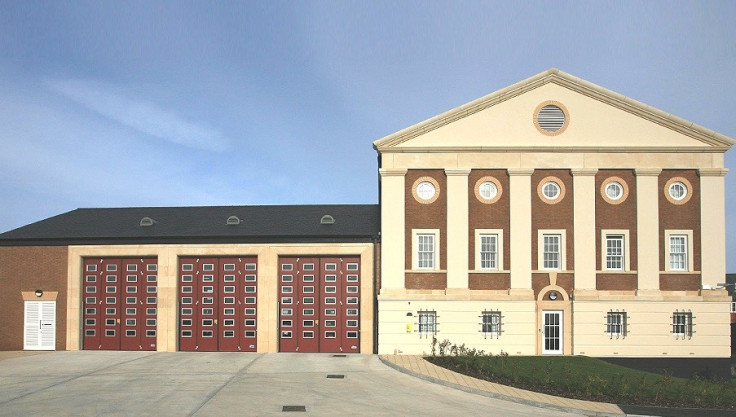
115 104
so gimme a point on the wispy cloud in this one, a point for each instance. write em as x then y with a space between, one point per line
140 115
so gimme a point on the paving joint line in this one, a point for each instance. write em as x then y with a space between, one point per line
486 393
74 378
227 383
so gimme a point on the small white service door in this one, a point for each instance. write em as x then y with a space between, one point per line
39 331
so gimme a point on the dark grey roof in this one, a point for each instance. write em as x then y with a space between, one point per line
295 223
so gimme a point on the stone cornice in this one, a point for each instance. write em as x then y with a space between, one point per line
556 149
647 172
582 172
513 172
457 172
392 172
712 172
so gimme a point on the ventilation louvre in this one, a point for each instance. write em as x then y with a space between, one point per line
327 219
551 118
233 221
147 222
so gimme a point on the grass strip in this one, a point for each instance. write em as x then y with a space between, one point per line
592 379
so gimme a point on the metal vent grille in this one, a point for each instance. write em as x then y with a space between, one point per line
551 118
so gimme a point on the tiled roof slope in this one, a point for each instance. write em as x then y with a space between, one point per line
201 225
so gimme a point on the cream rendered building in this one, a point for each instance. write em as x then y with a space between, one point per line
554 217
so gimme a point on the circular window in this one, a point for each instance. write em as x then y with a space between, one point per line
614 190
551 190
426 190
488 190
678 190
551 118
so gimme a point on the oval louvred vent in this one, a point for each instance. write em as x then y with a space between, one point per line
551 118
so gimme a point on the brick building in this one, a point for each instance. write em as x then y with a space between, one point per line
550 217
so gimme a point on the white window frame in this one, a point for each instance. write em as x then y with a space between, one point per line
562 233
479 233
626 263
415 233
668 235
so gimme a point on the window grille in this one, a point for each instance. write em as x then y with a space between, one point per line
617 324
490 324
682 324
427 323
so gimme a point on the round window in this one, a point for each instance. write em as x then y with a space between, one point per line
551 190
488 190
426 190
678 190
614 190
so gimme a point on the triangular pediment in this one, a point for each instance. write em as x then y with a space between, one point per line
597 120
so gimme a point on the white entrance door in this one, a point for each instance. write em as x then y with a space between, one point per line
40 325
552 335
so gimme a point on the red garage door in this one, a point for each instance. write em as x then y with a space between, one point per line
319 304
119 298
217 298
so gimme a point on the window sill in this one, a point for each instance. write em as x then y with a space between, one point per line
425 271
489 271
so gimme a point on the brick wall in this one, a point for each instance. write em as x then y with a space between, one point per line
679 216
616 216
426 216
553 216
27 269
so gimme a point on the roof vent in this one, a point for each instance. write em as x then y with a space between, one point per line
551 118
233 220
147 222
327 219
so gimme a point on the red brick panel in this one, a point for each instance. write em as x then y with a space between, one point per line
616 282
501 281
616 216
488 216
679 216
30 268
679 282
553 216
426 216
425 281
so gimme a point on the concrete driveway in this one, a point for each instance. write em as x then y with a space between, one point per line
88 383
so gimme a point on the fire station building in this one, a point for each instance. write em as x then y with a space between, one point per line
550 217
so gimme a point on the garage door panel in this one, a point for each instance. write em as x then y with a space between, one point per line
350 296
315 321
109 287
116 295
217 298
